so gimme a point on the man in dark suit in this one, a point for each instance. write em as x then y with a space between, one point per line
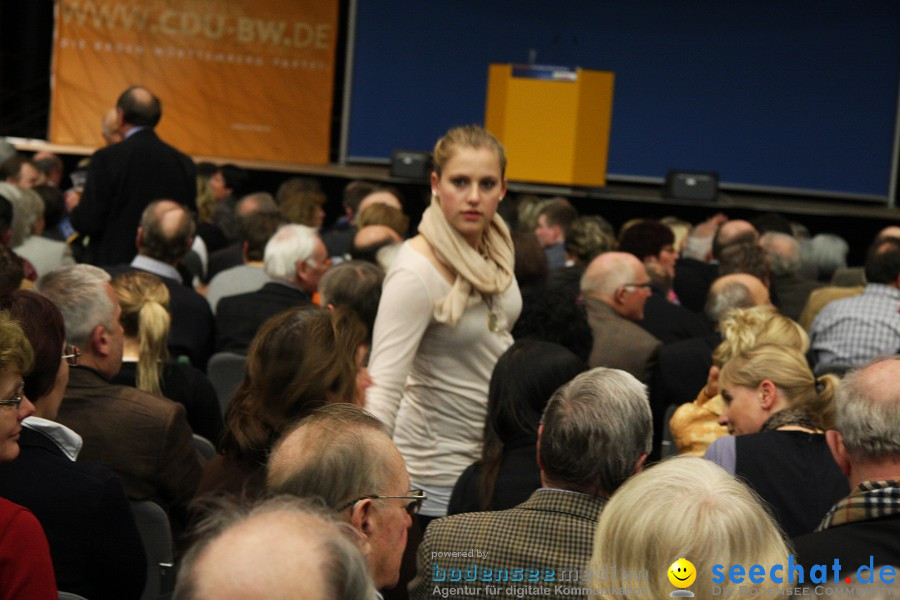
125 177
295 258
594 435
144 439
164 236
864 527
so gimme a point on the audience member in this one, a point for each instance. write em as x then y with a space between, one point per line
777 416
525 378
295 260
849 332
531 262
12 270
26 570
553 222
50 167
232 255
693 272
450 300
615 287
54 211
865 443
343 456
745 257
355 285
301 200
163 237
384 214
588 237
27 240
109 127
340 236
94 543
301 359
258 228
144 299
125 177
594 435
695 425
281 548
654 245
790 292
685 508
20 172
227 184
144 439
824 254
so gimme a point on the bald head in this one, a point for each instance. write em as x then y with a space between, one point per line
609 271
889 231
342 454
166 231
731 232
282 549
737 290
137 107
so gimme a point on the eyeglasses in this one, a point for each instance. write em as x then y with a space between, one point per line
416 497
71 356
16 400
634 286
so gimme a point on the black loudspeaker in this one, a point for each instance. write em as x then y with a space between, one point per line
411 165
690 185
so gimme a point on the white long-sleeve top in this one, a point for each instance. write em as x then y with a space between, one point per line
430 380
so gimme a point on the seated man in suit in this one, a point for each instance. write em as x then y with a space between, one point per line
615 287
864 526
344 456
144 439
295 259
281 548
595 434
164 236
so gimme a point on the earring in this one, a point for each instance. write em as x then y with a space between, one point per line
501 198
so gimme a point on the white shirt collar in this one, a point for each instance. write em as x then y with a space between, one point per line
157 267
67 440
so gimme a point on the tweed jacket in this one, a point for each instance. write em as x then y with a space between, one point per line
619 343
143 438
553 529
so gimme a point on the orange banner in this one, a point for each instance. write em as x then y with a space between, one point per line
248 79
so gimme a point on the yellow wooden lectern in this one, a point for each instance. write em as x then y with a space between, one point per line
554 122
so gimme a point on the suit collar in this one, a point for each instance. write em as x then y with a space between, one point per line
565 501
51 435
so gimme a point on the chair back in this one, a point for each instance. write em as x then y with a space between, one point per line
156 533
226 372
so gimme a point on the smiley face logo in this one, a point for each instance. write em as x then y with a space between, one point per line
682 573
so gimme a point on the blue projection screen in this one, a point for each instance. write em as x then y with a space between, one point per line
780 94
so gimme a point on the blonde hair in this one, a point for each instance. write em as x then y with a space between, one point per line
745 328
787 368
206 201
683 507
16 354
467 136
680 228
144 299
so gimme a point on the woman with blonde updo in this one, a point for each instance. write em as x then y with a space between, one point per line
777 412
449 303
695 424
144 300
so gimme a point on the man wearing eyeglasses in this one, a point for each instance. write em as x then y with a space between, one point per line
615 287
343 455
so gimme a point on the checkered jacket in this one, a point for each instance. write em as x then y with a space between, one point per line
552 529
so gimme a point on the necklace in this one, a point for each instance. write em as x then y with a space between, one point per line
493 315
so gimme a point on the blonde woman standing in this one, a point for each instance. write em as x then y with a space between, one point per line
449 303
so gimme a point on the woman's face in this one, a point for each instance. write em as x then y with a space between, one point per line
469 189
744 412
219 187
11 388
